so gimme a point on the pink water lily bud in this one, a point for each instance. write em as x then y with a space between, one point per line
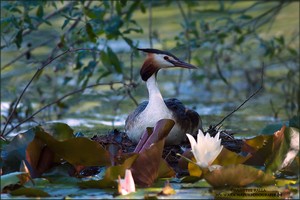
126 185
206 149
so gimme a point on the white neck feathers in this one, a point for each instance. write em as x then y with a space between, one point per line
156 100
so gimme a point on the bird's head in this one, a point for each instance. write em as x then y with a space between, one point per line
157 59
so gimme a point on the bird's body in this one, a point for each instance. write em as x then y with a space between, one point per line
149 112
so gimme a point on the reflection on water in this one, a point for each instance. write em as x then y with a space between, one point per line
241 122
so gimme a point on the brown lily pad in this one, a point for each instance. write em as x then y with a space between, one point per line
237 176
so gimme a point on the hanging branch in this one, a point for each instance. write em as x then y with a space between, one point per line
27 31
57 101
39 70
252 95
47 41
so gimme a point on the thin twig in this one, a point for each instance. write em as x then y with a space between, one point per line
58 100
252 95
39 70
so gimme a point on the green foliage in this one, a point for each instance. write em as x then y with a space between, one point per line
221 38
229 41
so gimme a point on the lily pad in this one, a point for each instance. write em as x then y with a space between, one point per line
145 170
285 148
111 175
59 131
12 178
77 151
227 157
164 170
237 176
194 169
29 192
13 153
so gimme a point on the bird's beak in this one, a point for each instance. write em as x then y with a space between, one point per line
179 63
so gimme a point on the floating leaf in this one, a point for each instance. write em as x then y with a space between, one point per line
227 157
253 144
111 175
190 179
40 157
260 156
146 167
77 151
12 178
14 152
285 149
59 131
237 176
194 169
164 170
29 192
143 139
161 130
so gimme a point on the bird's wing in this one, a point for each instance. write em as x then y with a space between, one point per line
187 119
133 116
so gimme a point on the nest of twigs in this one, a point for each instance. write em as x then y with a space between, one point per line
119 141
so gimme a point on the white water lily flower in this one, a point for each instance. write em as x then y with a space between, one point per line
126 185
206 149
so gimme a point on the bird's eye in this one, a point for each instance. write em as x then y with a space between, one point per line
166 57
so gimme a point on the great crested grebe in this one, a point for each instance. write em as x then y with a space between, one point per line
149 112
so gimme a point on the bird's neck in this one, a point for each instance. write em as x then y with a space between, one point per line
155 98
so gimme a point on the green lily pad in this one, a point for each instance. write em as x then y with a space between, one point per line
59 131
29 192
111 175
77 151
12 178
14 152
